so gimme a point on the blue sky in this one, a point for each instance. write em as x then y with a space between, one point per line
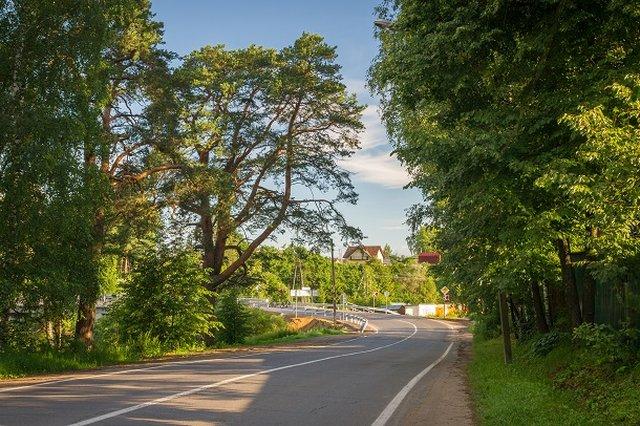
347 24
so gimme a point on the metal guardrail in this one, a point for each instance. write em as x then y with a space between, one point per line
321 310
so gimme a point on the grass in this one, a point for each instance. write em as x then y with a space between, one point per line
550 390
16 364
286 336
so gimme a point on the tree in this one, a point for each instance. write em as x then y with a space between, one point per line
257 127
475 99
51 86
233 316
164 298
130 149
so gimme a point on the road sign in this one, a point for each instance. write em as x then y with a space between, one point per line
444 290
446 297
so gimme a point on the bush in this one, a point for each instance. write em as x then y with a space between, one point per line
164 305
545 343
485 327
262 322
233 316
607 345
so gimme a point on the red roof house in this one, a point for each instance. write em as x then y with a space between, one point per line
364 253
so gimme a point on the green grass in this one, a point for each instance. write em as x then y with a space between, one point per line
286 336
523 393
16 364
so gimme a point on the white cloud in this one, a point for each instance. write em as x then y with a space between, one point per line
374 134
357 86
382 169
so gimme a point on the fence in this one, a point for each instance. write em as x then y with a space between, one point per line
615 303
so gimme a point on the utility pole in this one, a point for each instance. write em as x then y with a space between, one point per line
333 282
506 331
295 294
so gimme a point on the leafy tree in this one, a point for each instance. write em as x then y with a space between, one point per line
130 148
51 86
233 316
476 98
258 126
164 299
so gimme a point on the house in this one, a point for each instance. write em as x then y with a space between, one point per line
361 253
430 257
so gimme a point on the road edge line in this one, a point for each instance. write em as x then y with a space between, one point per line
388 411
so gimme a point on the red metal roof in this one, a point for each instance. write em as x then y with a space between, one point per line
430 257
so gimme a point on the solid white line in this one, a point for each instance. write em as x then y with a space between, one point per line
386 414
235 379
155 367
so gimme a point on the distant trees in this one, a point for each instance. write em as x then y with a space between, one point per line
517 125
404 279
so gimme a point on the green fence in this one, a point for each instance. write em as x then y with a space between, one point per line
616 303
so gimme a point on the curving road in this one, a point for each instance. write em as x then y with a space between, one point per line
398 375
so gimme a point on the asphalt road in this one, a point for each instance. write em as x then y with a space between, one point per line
349 380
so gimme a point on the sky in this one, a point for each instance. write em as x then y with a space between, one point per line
348 24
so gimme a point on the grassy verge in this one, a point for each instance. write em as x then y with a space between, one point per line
561 388
22 364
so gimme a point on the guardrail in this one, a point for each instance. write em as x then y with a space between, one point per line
321 310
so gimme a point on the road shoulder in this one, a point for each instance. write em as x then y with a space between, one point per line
442 397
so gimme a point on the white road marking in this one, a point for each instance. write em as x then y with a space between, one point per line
386 414
235 379
155 367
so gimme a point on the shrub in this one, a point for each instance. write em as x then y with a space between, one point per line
262 322
233 316
545 343
164 305
607 345
485 327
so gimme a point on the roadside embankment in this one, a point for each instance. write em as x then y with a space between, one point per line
562 387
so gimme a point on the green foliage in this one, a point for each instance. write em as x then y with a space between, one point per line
164 304
233 316
522 393
542 345
609 346
262 322
520 127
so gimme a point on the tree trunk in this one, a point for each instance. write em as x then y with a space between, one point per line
208 248
86 320
504 324
589 293
87 300
558 314
538 308
569 281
